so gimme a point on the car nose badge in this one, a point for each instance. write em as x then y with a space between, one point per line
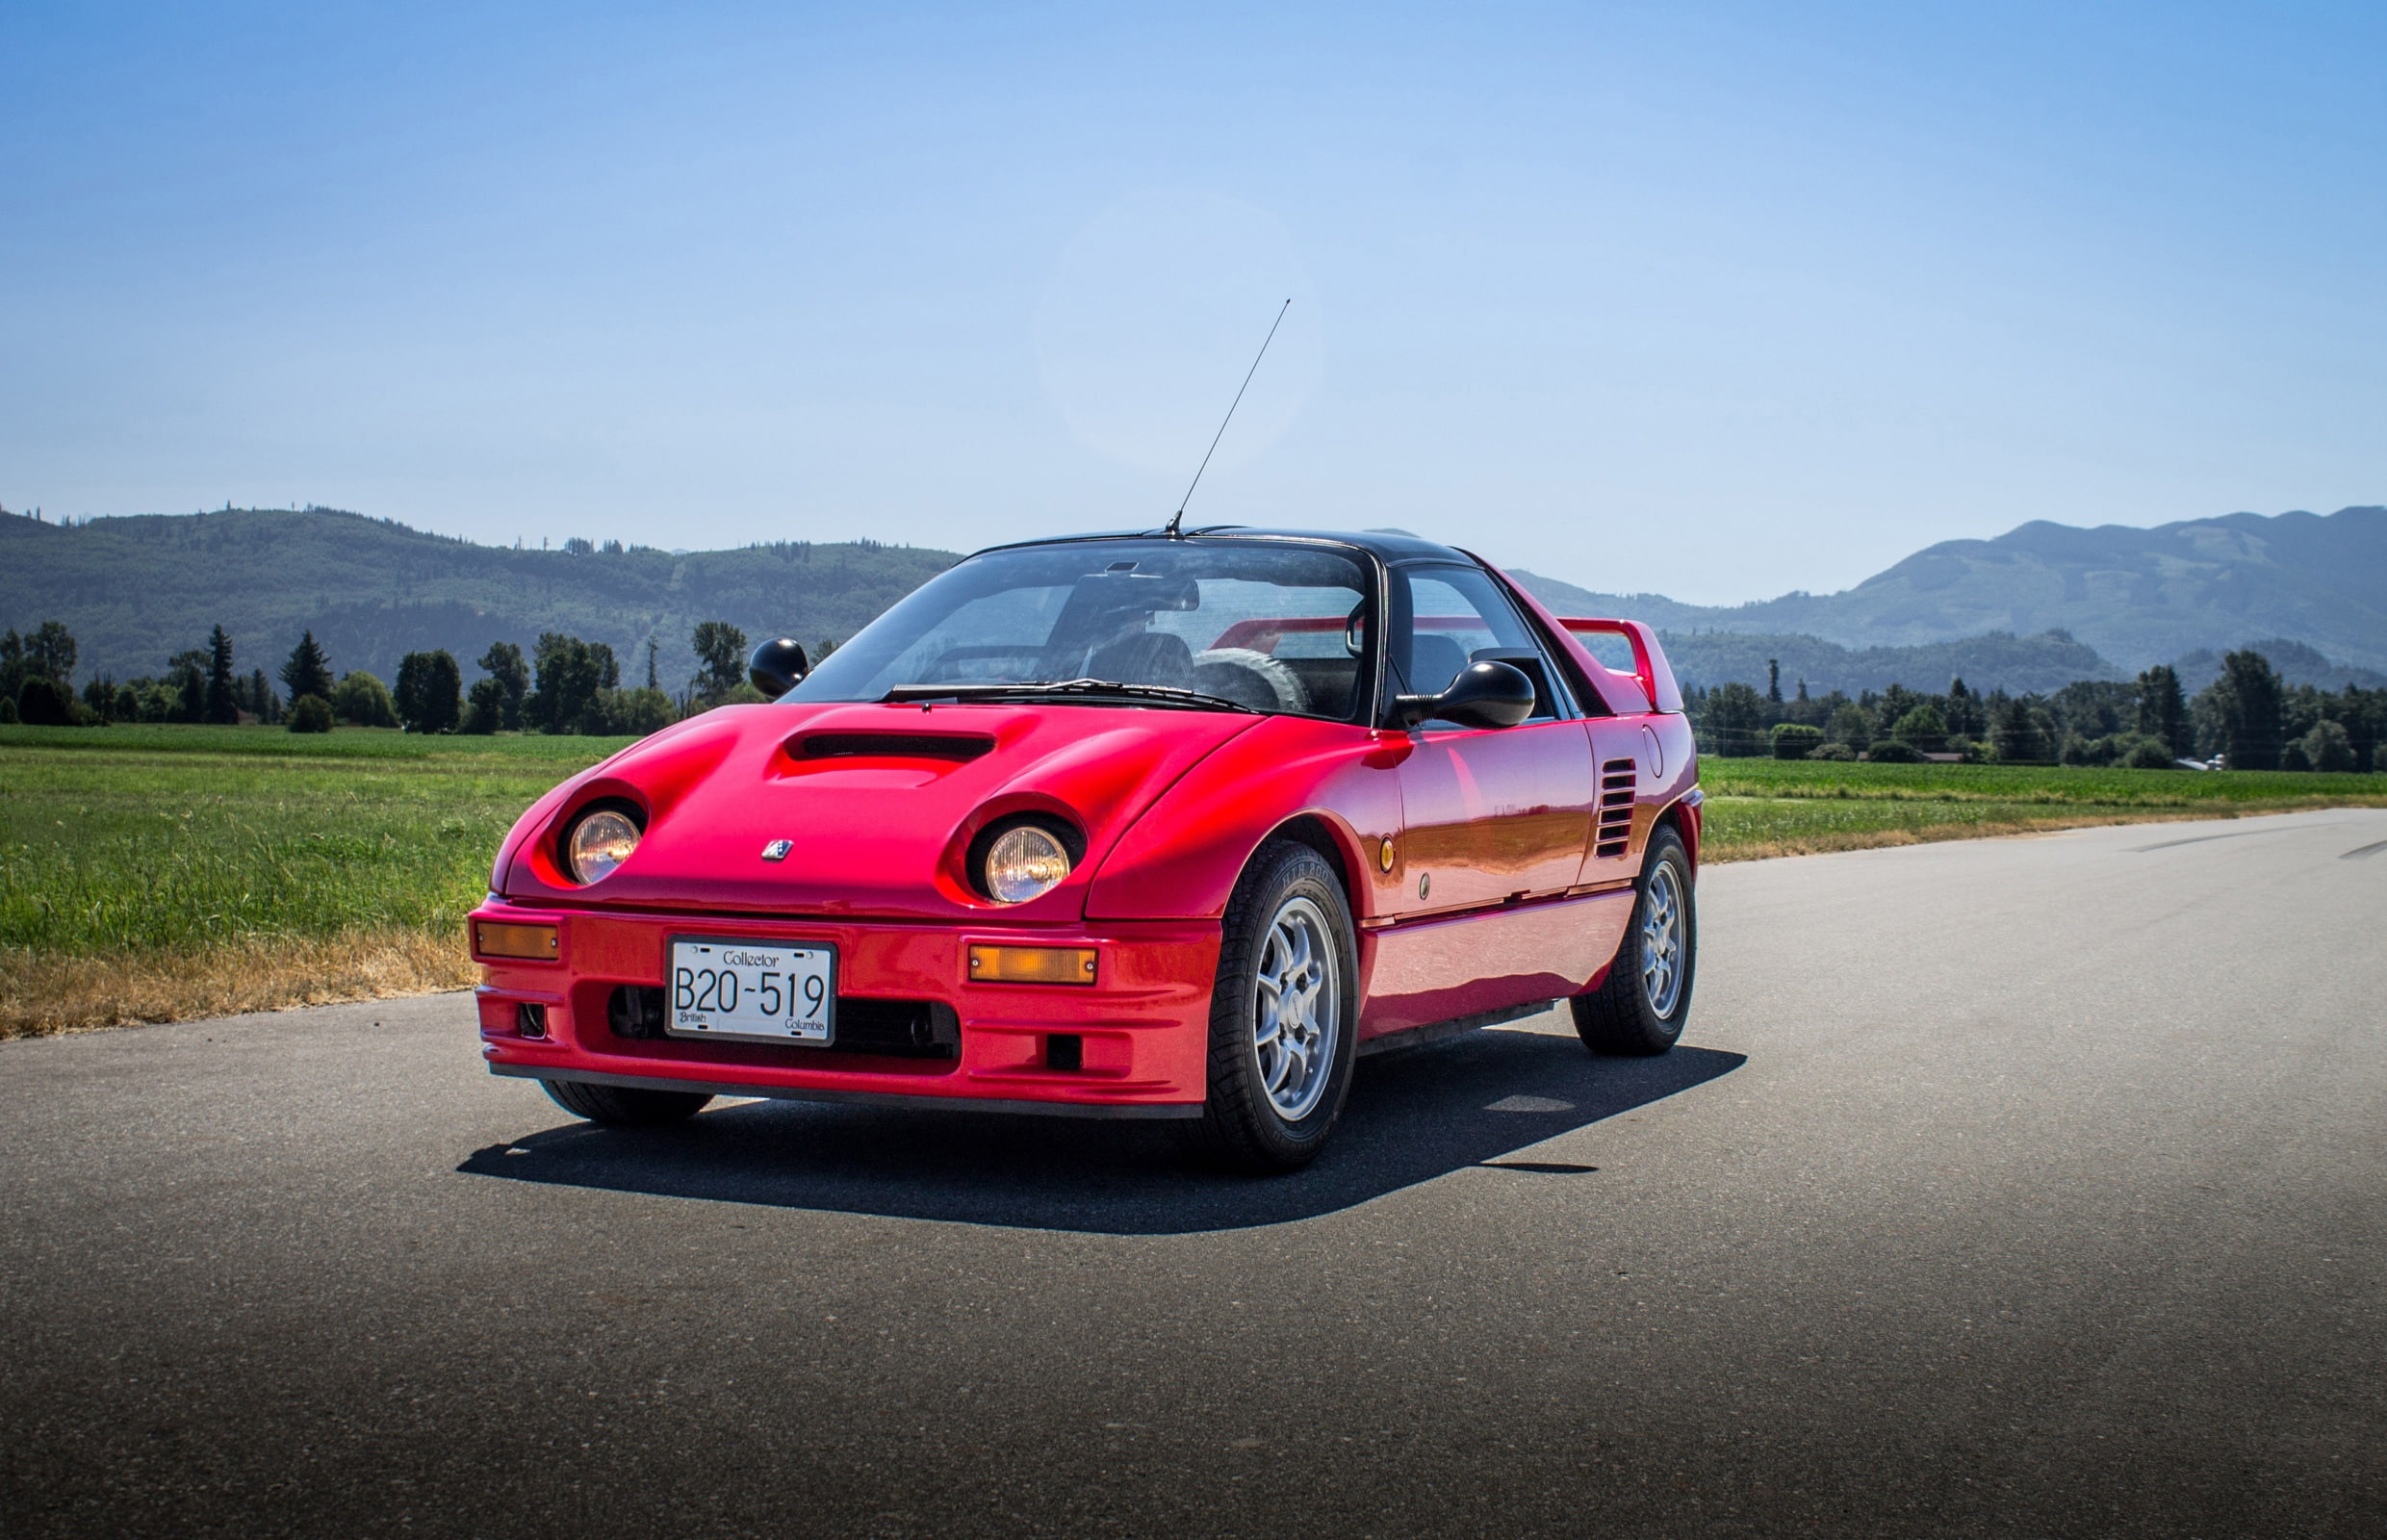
777 849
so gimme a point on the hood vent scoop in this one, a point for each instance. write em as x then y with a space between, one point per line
955 747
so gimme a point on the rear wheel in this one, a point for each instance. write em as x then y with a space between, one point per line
1283 1015
626 1106
1647 997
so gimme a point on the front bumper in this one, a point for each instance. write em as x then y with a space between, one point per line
1140 1030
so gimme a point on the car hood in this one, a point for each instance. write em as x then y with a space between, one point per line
877 805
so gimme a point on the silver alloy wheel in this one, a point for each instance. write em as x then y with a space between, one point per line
1296 1008
1662 939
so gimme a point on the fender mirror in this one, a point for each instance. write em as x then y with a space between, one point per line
1487 694
778 666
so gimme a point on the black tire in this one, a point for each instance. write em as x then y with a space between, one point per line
1244 1126
626 1106
1620 1016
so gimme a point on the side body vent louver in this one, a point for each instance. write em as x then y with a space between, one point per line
1616 788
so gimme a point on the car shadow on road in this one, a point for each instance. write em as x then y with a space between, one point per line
1411 1118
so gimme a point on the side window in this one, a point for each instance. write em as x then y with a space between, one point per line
1455 616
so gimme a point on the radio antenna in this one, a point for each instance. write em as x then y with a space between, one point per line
1177 517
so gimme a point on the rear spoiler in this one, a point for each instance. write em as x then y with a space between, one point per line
1649 687
1651 675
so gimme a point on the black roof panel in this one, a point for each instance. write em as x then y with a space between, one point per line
1385 544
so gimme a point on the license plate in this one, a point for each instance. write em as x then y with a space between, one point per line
755 991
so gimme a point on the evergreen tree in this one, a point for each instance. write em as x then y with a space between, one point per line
222 706
429 692
48 653
573 677
2014 731
721 653
1773 680
187 672
2364 715
2162 710
2247 702
1736 721
484 711
653 682
2327 747
1851 724
260 702
406 693
42 702
504 662
308 671
444 692
1965 714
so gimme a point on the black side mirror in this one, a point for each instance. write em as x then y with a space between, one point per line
778 666
1488 694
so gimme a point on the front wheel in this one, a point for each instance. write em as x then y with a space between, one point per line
1283 1015
625 1105
1647 997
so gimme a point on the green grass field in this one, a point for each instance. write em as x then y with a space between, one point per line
178 838
1774 807
155 871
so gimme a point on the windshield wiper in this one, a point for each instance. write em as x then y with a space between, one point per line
1157 694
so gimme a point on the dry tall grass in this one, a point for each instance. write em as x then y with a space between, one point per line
41 994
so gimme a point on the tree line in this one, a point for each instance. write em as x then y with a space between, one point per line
564 685
2249 718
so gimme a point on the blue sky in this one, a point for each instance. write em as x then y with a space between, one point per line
1717 301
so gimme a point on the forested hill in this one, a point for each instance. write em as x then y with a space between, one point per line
137 590
2030 611
2135 595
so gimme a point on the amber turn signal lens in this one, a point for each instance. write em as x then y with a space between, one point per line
1032 965
538 943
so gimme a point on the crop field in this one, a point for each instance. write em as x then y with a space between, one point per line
1758 807
156 873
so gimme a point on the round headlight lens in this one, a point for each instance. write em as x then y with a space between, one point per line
600 842
1024 863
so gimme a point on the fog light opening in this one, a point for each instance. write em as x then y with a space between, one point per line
636 1010
1064 1050
530 1021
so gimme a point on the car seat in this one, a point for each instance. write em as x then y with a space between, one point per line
1249 677
1144 658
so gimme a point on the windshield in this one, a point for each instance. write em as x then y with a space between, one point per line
1266 626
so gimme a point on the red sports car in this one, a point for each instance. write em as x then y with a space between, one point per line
1125 826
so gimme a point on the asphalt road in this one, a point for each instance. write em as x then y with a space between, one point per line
2021 1188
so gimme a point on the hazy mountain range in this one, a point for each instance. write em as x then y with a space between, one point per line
2135 597
2032 609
